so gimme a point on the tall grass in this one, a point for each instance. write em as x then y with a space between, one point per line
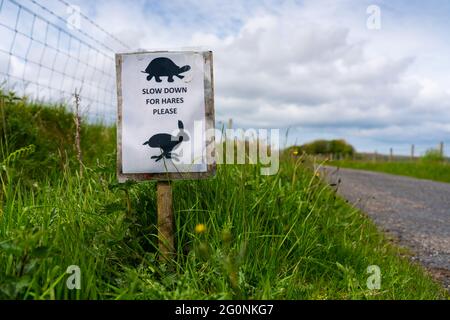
421 168
286 236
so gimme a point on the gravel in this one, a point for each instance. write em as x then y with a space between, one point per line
416 212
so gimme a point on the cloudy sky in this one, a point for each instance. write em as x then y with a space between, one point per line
312 66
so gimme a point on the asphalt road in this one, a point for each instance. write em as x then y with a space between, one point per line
416 212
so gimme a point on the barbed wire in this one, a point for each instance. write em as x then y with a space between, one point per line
44 58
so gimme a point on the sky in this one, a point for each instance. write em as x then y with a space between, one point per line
314 67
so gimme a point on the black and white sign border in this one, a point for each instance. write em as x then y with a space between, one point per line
209 125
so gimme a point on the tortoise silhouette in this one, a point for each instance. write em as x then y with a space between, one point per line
164 67
167 143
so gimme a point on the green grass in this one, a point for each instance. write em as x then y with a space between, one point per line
286 236
422 169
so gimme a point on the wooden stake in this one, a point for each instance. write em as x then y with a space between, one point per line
77 119
165 220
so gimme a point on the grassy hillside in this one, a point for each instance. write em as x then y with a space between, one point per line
422 169
285 236
52 132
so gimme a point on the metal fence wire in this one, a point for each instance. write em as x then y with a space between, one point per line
46 57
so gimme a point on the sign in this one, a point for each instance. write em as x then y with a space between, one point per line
165 110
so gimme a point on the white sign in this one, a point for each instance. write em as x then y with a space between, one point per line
162 114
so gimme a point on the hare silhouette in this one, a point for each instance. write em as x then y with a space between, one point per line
167 143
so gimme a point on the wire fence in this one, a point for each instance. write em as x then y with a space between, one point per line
50 49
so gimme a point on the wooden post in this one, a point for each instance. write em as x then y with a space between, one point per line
412 152
77 119
391 154
165 220
441 149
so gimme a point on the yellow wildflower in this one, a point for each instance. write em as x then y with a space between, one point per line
200 228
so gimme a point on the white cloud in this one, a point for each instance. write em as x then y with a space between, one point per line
313 65
306 66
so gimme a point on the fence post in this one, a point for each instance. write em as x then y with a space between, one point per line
391 154
441 148
166 236
77 119
412 152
